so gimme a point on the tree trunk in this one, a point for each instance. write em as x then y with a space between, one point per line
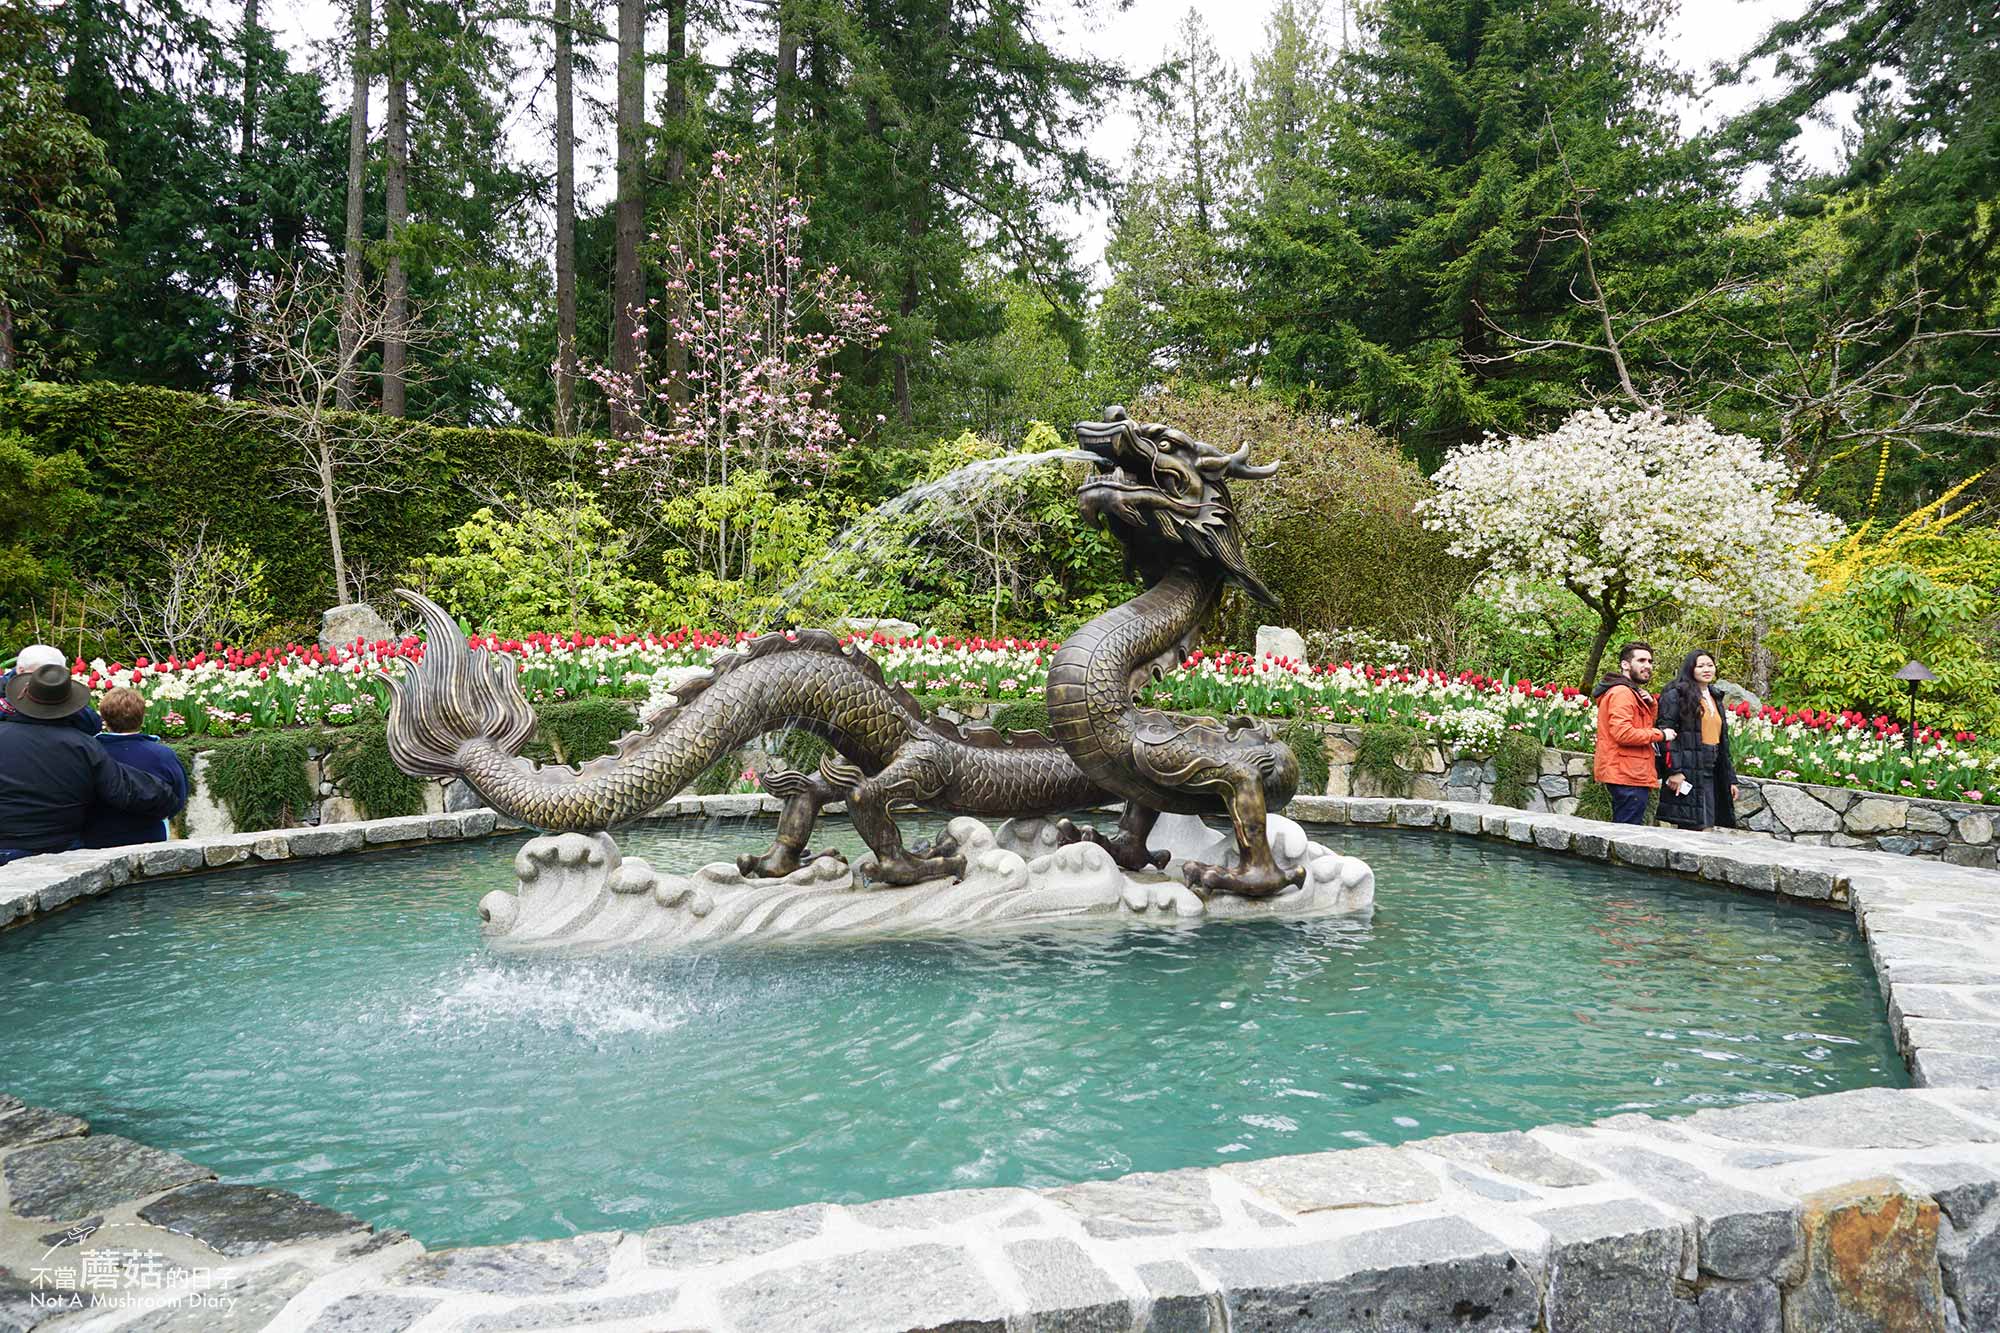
6 333
328 498
676 170
249 223
628 284
677 93
1607 625
785 96
396 281
822 85
346 389
919 224
1760 655
565 421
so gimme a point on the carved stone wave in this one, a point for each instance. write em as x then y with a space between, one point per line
578 893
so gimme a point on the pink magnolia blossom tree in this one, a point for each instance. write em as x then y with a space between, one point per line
753 409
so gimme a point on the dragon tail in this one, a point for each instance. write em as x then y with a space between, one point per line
451 698
785 783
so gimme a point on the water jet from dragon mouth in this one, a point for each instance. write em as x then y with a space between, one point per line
923 506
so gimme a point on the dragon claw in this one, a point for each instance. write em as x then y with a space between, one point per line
1249 881
1127 852
776 863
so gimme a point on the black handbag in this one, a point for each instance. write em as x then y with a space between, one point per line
1663 751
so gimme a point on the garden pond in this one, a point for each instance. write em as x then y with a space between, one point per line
338 1028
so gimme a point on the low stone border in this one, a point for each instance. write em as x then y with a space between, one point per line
1867 1209
38 884
1875 1208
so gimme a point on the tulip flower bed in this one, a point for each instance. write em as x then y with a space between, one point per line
228 691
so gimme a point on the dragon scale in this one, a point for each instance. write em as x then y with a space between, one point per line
1096 678
457 715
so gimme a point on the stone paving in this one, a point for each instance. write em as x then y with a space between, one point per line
1861 1210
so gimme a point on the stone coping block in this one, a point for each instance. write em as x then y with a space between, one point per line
1803 1214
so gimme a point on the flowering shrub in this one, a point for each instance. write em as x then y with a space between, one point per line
1626 512
229 690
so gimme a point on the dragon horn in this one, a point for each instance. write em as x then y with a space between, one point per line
1237 464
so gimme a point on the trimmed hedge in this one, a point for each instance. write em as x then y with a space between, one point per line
160 459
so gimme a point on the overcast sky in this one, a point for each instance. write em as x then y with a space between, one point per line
1703 32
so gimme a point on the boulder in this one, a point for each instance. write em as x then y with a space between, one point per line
1277 641
1877 815
340 626
1796 811
1733 694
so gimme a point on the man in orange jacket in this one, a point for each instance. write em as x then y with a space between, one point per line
1626 734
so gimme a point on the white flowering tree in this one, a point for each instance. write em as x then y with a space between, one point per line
1628 512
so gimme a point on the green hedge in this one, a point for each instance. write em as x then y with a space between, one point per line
160 458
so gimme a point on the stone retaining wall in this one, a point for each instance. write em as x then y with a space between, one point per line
1828 816
209 818
1952 831
1871 1209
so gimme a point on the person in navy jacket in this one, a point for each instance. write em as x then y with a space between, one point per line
124 713
53 778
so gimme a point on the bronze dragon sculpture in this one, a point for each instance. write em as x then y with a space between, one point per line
1165 496
456 714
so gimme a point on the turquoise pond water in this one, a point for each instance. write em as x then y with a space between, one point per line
338 1029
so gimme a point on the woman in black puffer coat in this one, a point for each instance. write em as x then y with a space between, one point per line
1698 790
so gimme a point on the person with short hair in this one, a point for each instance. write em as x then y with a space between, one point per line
124 713
40 655
53 777
1626 733
1699 790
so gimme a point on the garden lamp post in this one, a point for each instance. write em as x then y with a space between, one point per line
1915 673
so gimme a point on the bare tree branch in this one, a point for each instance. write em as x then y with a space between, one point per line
307 337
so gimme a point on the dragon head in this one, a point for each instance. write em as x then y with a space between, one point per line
1165 496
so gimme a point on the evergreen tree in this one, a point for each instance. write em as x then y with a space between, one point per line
1386 251
1906 230
55 206
150 79
1925 160
1171 308
930 133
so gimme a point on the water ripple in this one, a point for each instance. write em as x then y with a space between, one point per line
339 1029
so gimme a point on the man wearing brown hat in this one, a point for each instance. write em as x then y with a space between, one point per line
52 776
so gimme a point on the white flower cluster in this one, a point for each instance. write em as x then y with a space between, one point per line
1633 509
1469 730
